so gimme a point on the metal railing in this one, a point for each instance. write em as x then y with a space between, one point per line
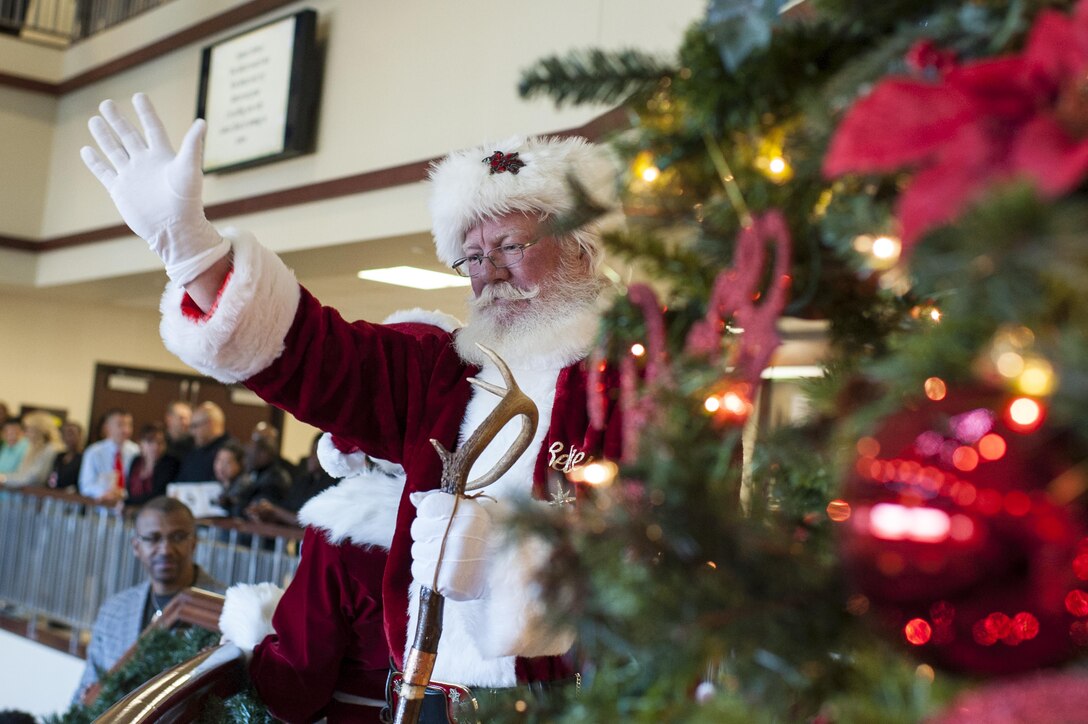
67 20
62 555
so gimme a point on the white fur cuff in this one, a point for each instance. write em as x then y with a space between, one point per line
245 333
247 614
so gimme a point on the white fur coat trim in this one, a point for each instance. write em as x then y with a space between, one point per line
418 315
361 509
481 638
245 333
247 613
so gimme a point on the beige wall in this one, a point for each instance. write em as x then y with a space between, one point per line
27 117
51 347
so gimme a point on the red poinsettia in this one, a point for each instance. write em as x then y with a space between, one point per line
1023 115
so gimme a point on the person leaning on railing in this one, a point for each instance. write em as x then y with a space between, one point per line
42 447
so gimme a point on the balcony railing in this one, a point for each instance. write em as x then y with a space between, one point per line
63 555
65 21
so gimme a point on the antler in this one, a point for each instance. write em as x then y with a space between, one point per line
514 402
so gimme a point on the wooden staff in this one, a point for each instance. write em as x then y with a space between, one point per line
455 469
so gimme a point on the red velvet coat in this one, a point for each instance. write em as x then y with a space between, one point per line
390 393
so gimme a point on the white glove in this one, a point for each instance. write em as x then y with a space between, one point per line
463 573
156 191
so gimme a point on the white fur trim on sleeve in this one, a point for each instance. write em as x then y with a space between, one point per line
245 333
361 509
434 317
247 613
340 464
345 465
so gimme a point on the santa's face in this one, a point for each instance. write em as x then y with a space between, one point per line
503 292
524 311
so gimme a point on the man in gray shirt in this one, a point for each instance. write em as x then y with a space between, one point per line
164 541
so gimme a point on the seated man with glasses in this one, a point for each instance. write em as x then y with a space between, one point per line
164 541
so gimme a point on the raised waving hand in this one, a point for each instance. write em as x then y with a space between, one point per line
157 191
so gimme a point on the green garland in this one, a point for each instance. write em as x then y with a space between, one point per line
157 651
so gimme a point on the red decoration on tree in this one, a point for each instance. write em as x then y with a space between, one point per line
994 120
638 404
982 550
734 297
500 162
926 60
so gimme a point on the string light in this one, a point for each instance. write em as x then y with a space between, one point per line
935 388
644 168
1024 414
637 349
600 472
770 159
1037 377
881 252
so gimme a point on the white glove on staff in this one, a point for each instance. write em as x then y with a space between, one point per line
463 573
157 191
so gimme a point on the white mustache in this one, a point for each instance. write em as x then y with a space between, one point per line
503 291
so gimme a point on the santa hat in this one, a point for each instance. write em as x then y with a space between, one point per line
519 174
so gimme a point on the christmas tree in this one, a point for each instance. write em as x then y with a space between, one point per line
911 173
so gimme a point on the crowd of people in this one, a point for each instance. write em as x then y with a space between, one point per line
190 445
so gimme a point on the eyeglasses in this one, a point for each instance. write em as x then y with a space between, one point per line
176 538
505 256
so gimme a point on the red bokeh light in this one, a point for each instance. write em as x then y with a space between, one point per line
1076 603
965 458
1025 626
1080 566
918 631
992 447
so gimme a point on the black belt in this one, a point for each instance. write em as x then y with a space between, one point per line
445 703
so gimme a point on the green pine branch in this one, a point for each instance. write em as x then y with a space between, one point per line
594 76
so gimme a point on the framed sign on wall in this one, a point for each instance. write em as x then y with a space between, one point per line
258 93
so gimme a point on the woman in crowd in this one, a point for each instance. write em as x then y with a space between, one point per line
43 445
152 469
66 465
229 466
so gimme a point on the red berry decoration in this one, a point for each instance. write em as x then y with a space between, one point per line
500 162
965 533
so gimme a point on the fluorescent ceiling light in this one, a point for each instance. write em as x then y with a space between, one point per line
410 276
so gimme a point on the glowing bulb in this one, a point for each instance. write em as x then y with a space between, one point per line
776 165
1024 413
650 174
712 404
992 447
1037 379
935 314
838 510
886 248
1009 364
935 388
735 404
637 349
600 472
918 631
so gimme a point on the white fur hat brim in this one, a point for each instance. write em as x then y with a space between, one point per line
464 190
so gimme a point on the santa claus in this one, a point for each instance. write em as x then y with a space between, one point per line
234 311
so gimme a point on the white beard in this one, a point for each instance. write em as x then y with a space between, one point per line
544 332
